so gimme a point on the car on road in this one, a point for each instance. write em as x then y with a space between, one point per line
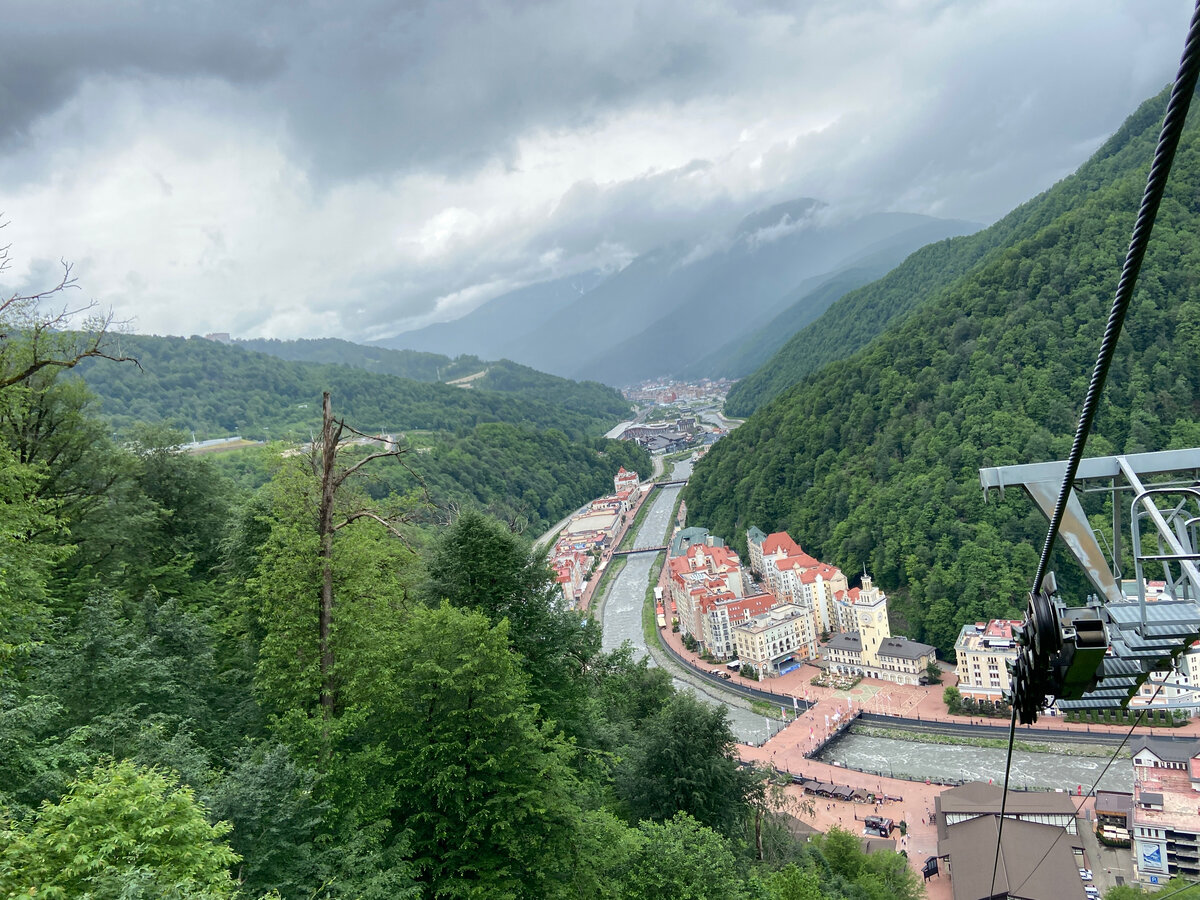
1092 892
1085 874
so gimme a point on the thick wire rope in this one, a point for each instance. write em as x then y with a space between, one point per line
1137 721
1186 887
1156 182
1164 155
1012 733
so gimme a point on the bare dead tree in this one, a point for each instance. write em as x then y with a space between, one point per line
32 338
332 519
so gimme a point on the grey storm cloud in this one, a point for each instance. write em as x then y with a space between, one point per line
371 87
354 169
50 48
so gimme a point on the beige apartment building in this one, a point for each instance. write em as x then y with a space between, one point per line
777 640
984 651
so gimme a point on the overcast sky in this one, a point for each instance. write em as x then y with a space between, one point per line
356 169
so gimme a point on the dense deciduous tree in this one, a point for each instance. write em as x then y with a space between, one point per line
684 761
681 859
793 883
119 832
478 564
484 792
25 562
370 569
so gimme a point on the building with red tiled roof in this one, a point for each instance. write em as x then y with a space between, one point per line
703 582
774 549
625 481
721 612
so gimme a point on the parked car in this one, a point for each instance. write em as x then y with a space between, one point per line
1085 874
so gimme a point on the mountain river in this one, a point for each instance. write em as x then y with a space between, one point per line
622 621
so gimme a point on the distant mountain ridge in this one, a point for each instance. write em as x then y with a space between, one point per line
489 330
679 303
809 300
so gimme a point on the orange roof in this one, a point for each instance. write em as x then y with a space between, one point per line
780 541
720 556
799 560
1001 628
741 607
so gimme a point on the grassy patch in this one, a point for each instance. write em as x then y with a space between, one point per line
649 625
768 709
636 525
674 513
990 743
611 571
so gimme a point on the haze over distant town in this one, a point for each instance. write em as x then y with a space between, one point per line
359 171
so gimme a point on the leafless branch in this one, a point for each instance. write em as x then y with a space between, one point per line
382 438
33 340
450 513
390 523
350 470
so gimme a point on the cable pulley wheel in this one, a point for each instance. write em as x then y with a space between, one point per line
1045 633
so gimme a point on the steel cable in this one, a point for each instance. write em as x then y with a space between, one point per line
1156 182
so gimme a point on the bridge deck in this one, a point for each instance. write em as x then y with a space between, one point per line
640 550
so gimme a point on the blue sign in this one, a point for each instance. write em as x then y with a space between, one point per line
1151 856
1154 879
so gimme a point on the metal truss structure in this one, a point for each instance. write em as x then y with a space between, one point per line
1098 655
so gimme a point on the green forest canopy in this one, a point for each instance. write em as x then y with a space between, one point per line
216 390
164 732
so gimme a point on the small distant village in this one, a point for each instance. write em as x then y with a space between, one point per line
675 415
787 611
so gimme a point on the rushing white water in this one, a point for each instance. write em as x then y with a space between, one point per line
955 762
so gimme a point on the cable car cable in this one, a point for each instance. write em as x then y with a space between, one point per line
1156 182
1137 721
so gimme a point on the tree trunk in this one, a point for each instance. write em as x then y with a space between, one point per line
330 434
758 844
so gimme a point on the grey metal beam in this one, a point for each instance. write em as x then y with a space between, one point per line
1076 533
1095 467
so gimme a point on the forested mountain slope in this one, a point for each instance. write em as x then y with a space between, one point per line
414 364
217 390
526 477
857 318
873 460
502 375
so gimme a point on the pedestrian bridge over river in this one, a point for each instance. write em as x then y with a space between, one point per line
640 550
